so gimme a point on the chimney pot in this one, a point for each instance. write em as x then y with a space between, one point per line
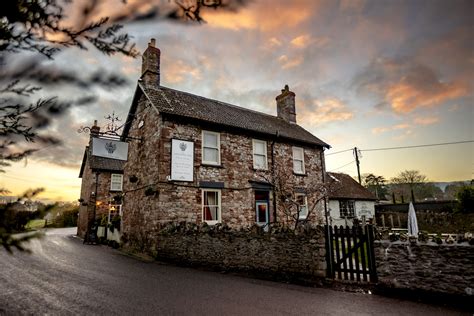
152 42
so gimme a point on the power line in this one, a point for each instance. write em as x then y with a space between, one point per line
338 152
417 146
342 166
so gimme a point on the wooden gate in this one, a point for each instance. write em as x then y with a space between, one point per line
350 253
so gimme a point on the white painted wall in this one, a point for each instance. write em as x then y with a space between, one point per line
366 208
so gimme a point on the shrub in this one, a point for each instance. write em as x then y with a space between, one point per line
465 197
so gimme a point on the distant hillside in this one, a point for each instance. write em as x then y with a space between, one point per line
443 185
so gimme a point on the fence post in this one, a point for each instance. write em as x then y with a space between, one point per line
371 253
329 251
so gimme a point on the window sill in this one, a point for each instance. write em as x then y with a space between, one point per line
211 223
211 165
300 174
115 190
259 169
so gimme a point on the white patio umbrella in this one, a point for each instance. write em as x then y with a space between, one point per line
412 222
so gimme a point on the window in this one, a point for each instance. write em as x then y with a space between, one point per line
211 148
302 202
346 208
262 215
211 206
116 181
259 154
298 160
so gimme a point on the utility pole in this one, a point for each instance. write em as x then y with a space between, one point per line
356 154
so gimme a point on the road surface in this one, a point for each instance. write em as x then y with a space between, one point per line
64 277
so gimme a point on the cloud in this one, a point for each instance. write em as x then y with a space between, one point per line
405 85
301 41
323 111
384 129
178 71
266 16
286 62
352 5
306 40
426 120
272 43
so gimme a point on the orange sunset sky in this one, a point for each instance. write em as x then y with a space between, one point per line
366 74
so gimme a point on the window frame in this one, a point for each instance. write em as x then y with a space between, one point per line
347 209
305 196
267 213
219 206
254 141
112 182
213 163
295 149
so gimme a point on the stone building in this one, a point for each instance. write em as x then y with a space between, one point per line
102 180
200 160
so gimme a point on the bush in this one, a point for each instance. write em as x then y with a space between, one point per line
465 197
67 219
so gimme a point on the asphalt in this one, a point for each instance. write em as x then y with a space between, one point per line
64 277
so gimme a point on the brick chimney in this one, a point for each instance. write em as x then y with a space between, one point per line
151 65
286 105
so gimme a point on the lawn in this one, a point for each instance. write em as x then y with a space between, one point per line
35 224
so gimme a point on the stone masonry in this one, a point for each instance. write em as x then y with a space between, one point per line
158 115
177 202
427 267
283 254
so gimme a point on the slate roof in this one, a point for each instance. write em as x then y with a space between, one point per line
101 163
343 186
188 105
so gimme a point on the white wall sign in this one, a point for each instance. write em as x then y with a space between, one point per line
365 208
109 148
182 160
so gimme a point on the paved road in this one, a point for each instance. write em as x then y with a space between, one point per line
65 277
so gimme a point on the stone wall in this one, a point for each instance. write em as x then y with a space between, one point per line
291 255
426 267
433 217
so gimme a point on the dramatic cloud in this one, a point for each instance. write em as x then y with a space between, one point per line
323 111
405 85
383 129
287 62
266 16
429 120
179 71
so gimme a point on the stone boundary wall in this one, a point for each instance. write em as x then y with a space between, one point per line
426 267
283 254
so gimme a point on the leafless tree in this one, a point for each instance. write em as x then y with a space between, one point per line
289 202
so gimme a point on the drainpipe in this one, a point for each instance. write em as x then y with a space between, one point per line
323 173
328 241
277 134
95 203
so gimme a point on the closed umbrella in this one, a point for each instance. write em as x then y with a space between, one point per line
412 222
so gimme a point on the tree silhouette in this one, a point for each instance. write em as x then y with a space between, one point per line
42 28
